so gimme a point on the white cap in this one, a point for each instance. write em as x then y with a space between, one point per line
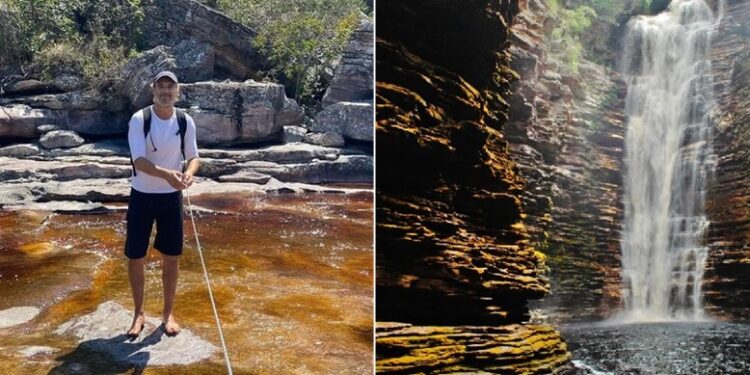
166 73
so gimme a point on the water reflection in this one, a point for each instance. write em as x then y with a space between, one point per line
660 348
292 277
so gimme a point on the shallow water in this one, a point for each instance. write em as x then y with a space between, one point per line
660 348
292 276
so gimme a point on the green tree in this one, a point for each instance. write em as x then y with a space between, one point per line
300 37
566 36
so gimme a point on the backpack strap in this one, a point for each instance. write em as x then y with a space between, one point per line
146 112
182 122
146 120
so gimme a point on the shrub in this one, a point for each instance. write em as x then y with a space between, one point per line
88 38
300 37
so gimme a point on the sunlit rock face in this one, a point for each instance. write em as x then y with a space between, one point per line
454 261
566 134
727 282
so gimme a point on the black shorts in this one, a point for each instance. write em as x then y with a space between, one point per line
143 210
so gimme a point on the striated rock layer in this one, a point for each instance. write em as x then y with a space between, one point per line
566 134
727 283
508 349
455 267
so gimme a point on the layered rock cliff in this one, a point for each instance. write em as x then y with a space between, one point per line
566 134
727 282
455 265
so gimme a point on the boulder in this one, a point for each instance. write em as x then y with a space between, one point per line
327 139
20 151
353 120
291 114
294 134
239 112
68 82
195 61
20 121
140 71
28 87
234 52
60 139
353 78
217 167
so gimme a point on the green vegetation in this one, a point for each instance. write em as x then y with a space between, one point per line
85 37
581 23
300 37
91 38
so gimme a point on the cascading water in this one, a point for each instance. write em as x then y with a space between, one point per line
669 159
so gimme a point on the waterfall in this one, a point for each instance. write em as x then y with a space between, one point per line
669 159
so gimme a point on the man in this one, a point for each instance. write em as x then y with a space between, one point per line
156 194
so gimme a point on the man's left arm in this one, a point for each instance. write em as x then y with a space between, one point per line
192 168
191 153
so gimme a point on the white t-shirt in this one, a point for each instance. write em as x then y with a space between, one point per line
163 152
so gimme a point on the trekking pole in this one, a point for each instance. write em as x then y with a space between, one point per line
208 284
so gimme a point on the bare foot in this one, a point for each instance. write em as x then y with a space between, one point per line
171 328
137 326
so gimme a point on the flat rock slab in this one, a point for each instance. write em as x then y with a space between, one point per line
287 153
103 331
17 315
111 147
21 150
16 169
246 176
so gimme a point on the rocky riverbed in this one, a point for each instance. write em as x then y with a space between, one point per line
292 277
85 178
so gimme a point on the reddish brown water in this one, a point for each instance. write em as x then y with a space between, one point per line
292 276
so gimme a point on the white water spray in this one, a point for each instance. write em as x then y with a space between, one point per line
669 159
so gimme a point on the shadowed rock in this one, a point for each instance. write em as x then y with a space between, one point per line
352 80
20 121
231 41
350 119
